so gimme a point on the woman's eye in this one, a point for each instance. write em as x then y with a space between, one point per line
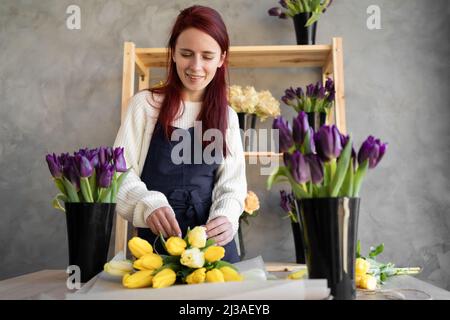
185 54
208 58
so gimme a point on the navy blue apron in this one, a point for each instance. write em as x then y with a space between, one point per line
188 188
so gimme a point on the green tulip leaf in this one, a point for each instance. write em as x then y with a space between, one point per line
71 191
359 176
56 201
86 190
341 169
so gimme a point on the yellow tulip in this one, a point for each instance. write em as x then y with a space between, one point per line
198 276
164 278
361 266
300 274
214 275
139 247
197 237
368 281
214 253
149 261
139 279
229 274
251 202
175 246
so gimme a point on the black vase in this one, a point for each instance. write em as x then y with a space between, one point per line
297 232
316 119
330 233
304 35
89 227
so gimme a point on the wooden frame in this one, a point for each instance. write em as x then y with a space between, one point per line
328 57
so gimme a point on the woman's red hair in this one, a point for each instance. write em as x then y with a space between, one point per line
214 113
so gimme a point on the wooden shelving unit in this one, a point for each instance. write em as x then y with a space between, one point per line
327 57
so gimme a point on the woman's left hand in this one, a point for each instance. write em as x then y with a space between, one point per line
220 230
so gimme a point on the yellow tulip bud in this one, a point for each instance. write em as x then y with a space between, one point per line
229 274
118 268
361 266
164 278
149 261
139 279
175 246
198 276
368 282
214 253
197 237
214 275
358 279
139 247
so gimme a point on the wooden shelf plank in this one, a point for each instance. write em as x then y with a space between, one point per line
262 154
254 56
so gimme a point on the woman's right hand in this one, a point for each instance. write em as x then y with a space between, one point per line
163 220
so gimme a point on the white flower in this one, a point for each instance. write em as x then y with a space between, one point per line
118 267
193 258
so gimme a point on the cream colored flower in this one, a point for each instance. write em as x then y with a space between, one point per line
197 237
193 258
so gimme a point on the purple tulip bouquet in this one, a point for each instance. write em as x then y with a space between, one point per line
317 98
89 175
323 163
289 8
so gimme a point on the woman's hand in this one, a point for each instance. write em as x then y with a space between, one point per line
220 230
163 220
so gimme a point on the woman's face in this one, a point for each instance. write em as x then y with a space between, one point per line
197 56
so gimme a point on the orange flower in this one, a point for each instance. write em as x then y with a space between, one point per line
251 202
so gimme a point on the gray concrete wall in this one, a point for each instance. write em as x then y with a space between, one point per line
60 90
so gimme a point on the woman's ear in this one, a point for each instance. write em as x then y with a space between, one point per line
222 59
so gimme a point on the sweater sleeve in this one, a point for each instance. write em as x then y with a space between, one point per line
230 187
134 202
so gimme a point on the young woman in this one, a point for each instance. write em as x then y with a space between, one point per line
160 194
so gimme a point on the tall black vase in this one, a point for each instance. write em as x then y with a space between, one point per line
304 35
316 119
297 232
330 234
89 227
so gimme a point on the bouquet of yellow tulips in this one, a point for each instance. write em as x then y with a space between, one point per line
191 260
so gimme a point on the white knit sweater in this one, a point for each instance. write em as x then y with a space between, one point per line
135 203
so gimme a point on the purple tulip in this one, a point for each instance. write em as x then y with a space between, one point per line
331 96
285 201
285 100
290 93
310 90
373 150
54 165
329 85
312 144
300 127
283 16
83 166
328 142
283 3
315 167
119 160
71 172
104 175
274 12
93 157
285 134
299 93
299 168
